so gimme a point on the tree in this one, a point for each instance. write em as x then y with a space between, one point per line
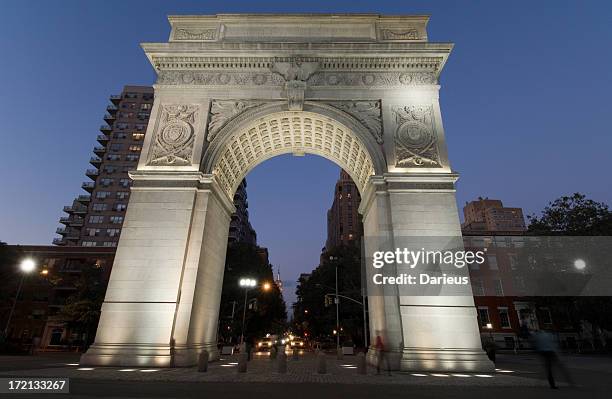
266 310
81 311
313 315
573 215
576 215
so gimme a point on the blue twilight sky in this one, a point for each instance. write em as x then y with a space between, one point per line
525 100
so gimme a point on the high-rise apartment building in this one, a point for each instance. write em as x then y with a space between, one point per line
489 215
95 219
344 226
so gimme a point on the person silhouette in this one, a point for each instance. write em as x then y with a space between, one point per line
381 354
545 345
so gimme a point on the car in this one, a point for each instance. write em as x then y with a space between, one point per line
297 343
265 344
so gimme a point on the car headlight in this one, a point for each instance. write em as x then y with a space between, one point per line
301 344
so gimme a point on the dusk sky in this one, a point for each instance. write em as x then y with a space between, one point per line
525 102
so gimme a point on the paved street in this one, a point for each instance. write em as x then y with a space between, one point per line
516 376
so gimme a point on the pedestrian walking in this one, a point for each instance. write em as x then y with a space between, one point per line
381 354
545 345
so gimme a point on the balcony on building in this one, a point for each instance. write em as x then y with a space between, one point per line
115 99
106 129
76 222
99 150
112 109
92 173
59 241
65 219
108 118
88 186
102 139
79 210
61 231
84 199
95 161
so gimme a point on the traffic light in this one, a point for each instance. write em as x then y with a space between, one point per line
328 301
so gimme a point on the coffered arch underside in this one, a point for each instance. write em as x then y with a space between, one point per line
297 132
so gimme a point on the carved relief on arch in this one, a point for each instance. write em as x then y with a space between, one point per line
174 137
415 139
367 112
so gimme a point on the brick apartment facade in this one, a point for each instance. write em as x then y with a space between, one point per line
344 225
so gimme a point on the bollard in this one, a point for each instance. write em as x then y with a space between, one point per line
321 363
203 361
361 364
242 362
296 354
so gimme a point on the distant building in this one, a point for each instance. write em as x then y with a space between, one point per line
45 292
344 226
488 215
240 227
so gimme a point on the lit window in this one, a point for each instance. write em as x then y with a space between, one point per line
137 136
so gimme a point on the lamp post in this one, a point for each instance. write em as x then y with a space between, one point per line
27 266
337 300
246 283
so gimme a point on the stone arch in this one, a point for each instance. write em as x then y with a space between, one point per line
272 129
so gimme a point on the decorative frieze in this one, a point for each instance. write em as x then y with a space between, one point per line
368 113
399 34
416 143
195 34
318 79
174 136
223 111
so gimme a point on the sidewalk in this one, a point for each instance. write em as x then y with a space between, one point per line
304 370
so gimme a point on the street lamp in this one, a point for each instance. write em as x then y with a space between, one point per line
26 266
246 283
333 259
490 328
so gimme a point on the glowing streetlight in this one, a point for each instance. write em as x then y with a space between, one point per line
26 266
266 286
579 264
246 283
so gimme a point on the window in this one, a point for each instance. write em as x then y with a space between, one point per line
113 157
146 106
113 232
107 181
116 219
147 97
103 194
141 127
492 259
96 219
131 157
116 147
143 116
477 287
119 135
110 243
121 125
135 148
124 182
120 207
130 95
137 136
483 316
497 286
110 169
88 243
99 207
123 194
544 316
93 232
504 318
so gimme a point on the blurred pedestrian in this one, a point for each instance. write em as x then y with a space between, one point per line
546 346
381 354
